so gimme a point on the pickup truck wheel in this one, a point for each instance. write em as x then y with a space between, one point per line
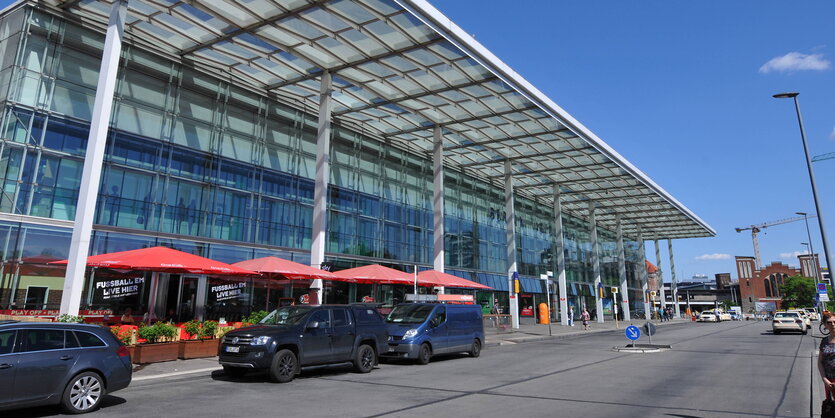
364 361
232 371
475 350
284 366
424 354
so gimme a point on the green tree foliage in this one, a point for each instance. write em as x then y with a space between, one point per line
798 292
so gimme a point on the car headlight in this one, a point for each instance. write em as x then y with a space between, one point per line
410 333
262 340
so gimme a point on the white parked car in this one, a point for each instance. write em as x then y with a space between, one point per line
813 314
806 320
788 321
708 316
725 316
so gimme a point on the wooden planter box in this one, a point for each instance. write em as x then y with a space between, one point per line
197 348
155 353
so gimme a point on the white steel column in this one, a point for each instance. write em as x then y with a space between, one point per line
510 220
595 263
642 268
91 176
320 191
560 256
673 285
438 199
624 289
661 292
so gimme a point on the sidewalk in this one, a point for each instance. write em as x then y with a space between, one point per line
493 338
537 332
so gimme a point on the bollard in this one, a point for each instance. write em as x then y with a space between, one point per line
544 318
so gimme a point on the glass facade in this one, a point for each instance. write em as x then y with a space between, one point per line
203 164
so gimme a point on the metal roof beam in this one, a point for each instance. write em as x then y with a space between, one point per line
549 170
573 182
338 68
415 96
250 28
445 124
511 138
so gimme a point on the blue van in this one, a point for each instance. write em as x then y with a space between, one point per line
419 331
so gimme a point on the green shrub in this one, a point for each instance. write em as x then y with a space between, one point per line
157 332
192 328
70 318
255 317
209 329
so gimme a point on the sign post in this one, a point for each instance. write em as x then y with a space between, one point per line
633 333
615 304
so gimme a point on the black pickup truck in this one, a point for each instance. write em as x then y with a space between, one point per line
292 337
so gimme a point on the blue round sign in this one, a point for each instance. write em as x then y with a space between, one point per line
633 332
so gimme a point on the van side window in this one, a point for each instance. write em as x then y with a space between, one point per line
439 317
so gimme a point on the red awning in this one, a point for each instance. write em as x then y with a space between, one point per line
289 269
436 278
375 273
163 259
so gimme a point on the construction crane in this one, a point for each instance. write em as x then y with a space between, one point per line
756 228
823 157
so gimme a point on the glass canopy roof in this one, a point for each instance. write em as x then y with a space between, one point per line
399 68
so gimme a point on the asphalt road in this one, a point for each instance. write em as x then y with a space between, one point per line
713 370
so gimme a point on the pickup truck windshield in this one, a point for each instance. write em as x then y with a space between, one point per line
286 315
409 314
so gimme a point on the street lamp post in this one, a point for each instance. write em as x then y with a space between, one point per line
793 95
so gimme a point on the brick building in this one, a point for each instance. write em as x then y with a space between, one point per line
763 285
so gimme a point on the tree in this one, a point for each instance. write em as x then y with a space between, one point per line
798 292
726 305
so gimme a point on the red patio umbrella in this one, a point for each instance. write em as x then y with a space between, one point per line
286 268
437 278
375 273
163 259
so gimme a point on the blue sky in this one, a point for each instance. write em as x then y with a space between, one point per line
683 91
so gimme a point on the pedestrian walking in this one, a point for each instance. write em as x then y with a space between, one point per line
571 316
826 363
586 317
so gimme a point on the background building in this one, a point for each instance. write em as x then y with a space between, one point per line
763 285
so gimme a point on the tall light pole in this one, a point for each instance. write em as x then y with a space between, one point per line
793 95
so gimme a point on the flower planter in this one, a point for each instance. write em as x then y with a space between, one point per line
197 348
155 353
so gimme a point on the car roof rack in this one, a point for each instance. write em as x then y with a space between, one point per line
8 321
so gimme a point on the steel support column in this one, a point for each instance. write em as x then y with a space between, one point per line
320 191
595 264
624 288
660 275
510 224
91 175
438 200
559 256
673 285
642 268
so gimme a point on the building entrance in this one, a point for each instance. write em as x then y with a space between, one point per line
178 297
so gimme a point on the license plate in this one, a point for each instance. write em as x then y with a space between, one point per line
230 349
391 349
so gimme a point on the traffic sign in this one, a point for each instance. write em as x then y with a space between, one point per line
821 287
649 328
614 290
632 332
